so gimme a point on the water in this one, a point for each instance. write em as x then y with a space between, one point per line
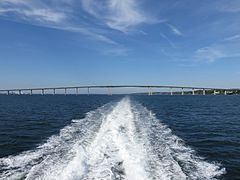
118 137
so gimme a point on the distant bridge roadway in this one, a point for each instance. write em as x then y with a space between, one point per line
110 87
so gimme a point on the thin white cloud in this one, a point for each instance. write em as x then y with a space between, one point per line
209 54
231 38
116 51
19 2
227 50
223 6
87 32
52 16
45 15
37 15
32 11
175 30
232 6
120 15
168 40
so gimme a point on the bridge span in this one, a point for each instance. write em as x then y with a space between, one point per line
181 89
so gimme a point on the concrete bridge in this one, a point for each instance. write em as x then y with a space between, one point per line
181 89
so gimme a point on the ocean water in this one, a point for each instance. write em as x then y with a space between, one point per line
119 137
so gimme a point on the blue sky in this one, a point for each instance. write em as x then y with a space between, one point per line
93 42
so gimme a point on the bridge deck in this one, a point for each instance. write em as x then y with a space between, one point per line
109 87
118 86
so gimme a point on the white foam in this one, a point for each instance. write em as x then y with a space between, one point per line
120 141
169 157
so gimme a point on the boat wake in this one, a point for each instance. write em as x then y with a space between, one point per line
116 141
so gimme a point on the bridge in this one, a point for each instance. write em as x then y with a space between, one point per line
181 89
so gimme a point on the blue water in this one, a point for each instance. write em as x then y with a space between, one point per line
118 137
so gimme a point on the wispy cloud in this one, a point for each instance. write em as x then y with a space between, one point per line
168 40
216 51
85 31
52 15
120 15
116 51
32 11
231 38
37 15
209 54
73 15
232 6
175 30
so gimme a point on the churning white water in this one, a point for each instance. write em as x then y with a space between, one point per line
116 141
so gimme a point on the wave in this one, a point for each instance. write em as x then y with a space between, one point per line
116 141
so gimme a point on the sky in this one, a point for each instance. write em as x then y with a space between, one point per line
49 43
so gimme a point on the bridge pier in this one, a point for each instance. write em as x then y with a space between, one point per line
54 92
204 92
171 92
31 92
214 92
8 92
149 91
193 91
88 89
42 91
76 91
109 91
182 92
225 92
19 92
65 91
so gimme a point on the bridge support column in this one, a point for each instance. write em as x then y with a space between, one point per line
76 91
43 92
88 89
150 93
109 91
204 92
65 91
31 92
225 92
171 92
8 92
193 91
214 92
19 92
182 92
54 91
